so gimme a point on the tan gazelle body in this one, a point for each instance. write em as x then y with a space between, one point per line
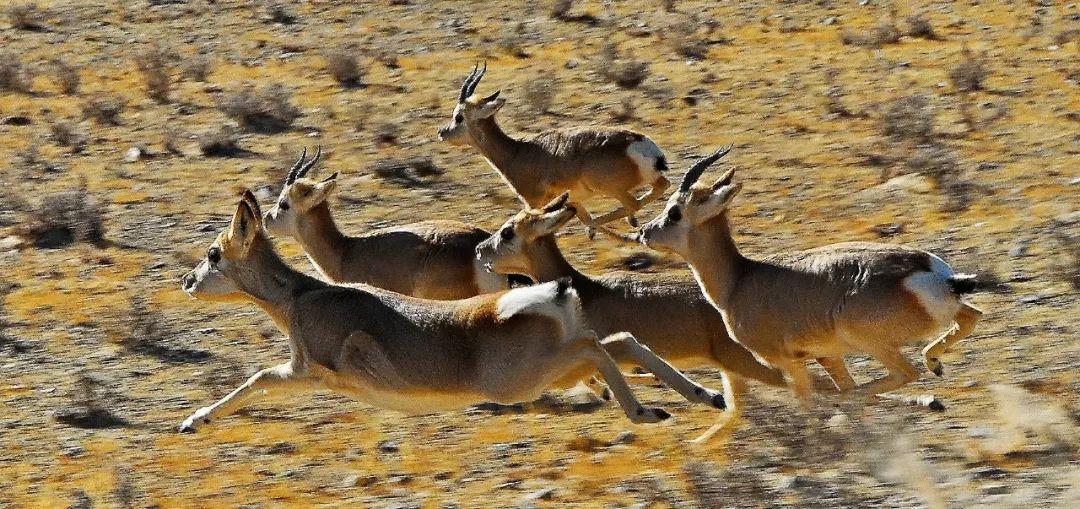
407 354
588 161
428 259
820 303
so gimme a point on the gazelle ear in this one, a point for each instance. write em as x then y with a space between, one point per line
246 221
717 202
724 180
491 97
489 105
327 186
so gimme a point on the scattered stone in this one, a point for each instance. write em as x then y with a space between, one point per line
626 437
541 494
133 154
282 448
888 229
1031 299
389 446
16 120
990 473
997 489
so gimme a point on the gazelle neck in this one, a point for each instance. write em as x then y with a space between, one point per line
716 261
272 284
549 264
497 147
321 239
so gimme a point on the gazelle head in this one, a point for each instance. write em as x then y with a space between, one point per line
504 252
231 259
298 196
690 208
469 110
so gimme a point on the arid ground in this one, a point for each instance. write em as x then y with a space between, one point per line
126 136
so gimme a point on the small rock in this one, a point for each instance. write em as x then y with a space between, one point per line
389 446
207 330
541 494
17 120
626 437
282 448
571 64
837 421
205 228
990 473
888 229
1030 299
10 242
791 482
133 154
831 20
362 481
1018 250
997 489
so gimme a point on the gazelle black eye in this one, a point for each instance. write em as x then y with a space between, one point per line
214 255
507 233
459 118
283 205
674 215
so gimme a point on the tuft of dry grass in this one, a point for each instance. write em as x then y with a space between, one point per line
66 76
883 33
66 134
65 217
919 26
14 76
104 109
26 16
560 9
198 68
623 71
540 94
222 142
625 112
684 38
970 73
834 95
153 63
268 110
276 12
344 67
409 172
909 117
387 133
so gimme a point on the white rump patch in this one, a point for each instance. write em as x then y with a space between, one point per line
541 300
932 291
644 153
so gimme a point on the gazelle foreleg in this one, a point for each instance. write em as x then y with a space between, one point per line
838 371
966 319
624 346
734 388
603 362
278 379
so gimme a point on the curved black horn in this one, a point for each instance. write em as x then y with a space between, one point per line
291 176
465 85
695 171
310 164
476 81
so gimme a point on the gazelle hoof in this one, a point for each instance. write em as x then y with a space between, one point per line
718 402
187 427
632 221
935 366
650 415
936 405
590 232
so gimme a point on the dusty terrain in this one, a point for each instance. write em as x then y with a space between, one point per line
102 356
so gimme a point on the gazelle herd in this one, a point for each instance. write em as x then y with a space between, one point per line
422 317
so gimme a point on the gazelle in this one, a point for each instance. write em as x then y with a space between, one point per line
665 313
820 303
585 161
427 259
407 354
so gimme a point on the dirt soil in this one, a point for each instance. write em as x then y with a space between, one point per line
102 355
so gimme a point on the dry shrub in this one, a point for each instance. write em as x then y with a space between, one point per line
410 171
512 41
387 132
834 94
970 73
198 68
222 142
540 93
909 117
67 77
883 33
14 77
65 217
277 13
125 492
684 39
66 134
626 111
942 166
170 141
343 67
153 63
560 9
625 72
104 109
26 16
919 26
268 110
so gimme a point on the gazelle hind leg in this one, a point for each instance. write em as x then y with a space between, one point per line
966 319
278 379
838 372
901 371
603 362
799 380
734 388
627 210
623 345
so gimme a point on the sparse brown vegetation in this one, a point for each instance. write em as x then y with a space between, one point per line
153 63
104 109
834 95
26 16
970 73
540 94
268 110
221 142
276 12
344 67
89 403
623 71
919 26
625 111
65 217
409 172
387 133
66 134
14 76
198 68
910 117
885 32
686 40
66 76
